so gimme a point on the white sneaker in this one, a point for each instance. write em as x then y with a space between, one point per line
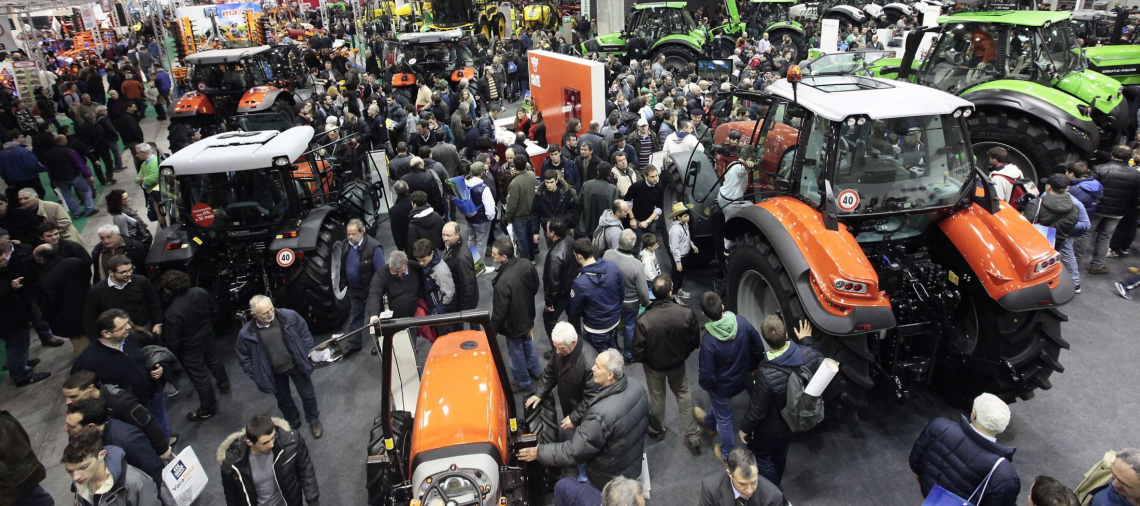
682 294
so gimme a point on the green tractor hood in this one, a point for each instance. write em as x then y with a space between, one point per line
1121 63
1092 88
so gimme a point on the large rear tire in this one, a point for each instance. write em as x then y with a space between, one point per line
1028 141
317 291
760 286
797 41
675 57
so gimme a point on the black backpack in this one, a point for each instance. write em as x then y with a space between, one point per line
802 412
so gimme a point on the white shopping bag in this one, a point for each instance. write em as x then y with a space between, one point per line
185 477
644 478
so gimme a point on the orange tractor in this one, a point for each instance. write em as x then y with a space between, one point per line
448 433
855 203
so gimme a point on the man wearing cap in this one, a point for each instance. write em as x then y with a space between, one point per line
1055 209
622 146
658 118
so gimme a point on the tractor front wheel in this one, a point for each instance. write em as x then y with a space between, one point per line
1033 147
760 286
317 290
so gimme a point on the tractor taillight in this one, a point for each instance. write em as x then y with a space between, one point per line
174 245
844 285
1047 263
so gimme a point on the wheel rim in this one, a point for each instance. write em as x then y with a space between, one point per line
501 26
485 29
340 290
1016 157
755 299
675 62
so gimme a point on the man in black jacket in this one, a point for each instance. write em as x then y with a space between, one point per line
611 438
515 289
188 331
663 338
16 315
19 222
121 405
1054 209
558 273
424 222
554 199
62 286
401 282
127 291
92 413
267 464
129 131
740 484
94 136
48 233
1121 194
400 214
458 258
112 243
23 472
571 370
420 179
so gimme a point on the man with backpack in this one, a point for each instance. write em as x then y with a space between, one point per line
1004 175
775 395
610 227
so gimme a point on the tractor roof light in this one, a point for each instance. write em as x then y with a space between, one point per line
166 171
795 74
281 161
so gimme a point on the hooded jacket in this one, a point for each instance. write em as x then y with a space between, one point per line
612 228
681 142
514 289
611 438
768 392
131 487
596 296
1004 178
424 223
1053 210
1089 191
291 467
729 348
1121 188
254 359
957 458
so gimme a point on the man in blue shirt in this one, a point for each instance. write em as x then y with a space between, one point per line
1124 489
361 256
162 83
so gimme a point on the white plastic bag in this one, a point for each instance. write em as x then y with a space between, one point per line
185 477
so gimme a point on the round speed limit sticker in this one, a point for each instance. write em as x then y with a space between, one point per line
285 257
848 200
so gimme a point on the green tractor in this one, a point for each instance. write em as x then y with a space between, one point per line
773 18
662 28
1028 78
1118 55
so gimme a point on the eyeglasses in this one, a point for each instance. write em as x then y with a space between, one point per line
128 271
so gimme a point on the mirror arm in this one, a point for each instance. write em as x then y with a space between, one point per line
830 217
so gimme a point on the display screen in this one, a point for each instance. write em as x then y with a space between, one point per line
714 70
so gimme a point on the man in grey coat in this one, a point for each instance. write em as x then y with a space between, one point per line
636 286
740 484
611 438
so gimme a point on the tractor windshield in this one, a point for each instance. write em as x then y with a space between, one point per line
966 54
1059 47
230 77
843 64
231 199
449 13
439 55
900 165
770 12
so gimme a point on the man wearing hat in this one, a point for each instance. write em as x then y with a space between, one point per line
1056 210
621 145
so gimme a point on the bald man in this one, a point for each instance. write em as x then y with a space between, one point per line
457 256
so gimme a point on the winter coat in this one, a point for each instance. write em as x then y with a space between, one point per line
292 468
126 369
680 243
515 289
424 223
135 250
129 130
588 170
1083 222
768 392
188 322
125 407
18 163
633 275
612 229
725 365
957 458
557 204
680 142
16 302
574 377
403 293
1089 191
665 335
439 286
716 490
21 470
569 171
425 181
400 214
1121 188
139 452
254 359
611 438
131 486
558 271
520 197
55 213
462 266
596 296
1053 210
596 141
62 286
597 197
64 164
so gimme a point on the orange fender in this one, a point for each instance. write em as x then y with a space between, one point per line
257 98
191 104
1009 257
403 79
463 73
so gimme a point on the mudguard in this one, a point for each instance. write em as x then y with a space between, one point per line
684 41
192 104
307 232
784 26
873 10
850 11
175 234
1055 108
814 258
259 98
901 7
1003 249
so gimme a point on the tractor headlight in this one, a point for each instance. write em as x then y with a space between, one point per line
281 161
166 171
850 122
966 113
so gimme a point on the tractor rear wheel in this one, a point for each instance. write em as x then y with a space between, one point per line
761 286
675 57
797 41
317 290
1025 346
1033 147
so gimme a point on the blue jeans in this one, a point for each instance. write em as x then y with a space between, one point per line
1070 260
1131 283
16 347
65 187
629 319
720 415
37 497
521 228
601 342
771 456
572 492
157 409
308 395
524 360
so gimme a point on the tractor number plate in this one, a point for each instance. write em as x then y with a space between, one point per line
286 257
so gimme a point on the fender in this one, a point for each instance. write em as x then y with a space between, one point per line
850 11
901 7
1003 250
785 26
307 232
873 10
174 235
675 40
814 258
1061 120
259 98
192 104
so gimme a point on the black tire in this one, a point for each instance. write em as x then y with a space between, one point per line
797 41
675 57
753 266
316 291
1042 150
285 110
1029 341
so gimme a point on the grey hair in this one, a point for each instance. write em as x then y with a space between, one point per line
1131 456
416 162
744 460
374 109
28 192
110 227
398 260
614 362
256 300
564 334
355 222
143 147
627 240
992 413
621 491
464 107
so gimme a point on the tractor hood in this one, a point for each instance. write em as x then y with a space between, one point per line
1089 85
1117 62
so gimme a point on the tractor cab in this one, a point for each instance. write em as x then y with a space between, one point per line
448 432
432 56
652 29
231 82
